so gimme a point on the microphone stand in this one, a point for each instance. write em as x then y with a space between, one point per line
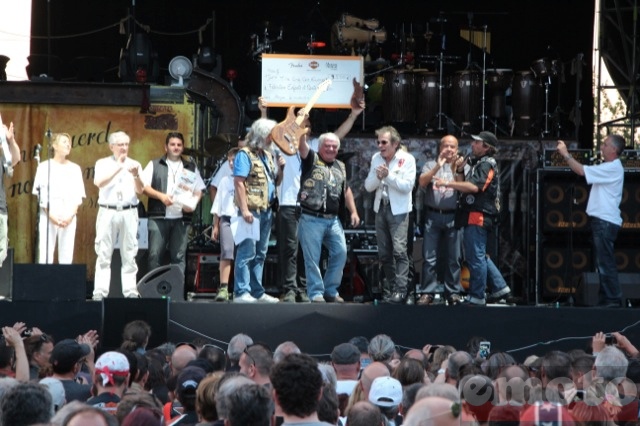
36 157
48 201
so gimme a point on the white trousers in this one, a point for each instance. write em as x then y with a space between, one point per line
113 225
66 238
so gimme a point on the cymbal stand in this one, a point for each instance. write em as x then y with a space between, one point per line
547 83
484 76
441 114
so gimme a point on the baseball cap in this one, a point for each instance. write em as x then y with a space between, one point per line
345 353
188 380
112 364
385 392
56 389
487 137
66 353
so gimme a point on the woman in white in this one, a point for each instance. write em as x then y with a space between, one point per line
59 186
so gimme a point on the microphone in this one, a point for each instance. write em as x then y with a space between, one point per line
36 151
48 133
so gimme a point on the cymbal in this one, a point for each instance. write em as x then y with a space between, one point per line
219 144
195 153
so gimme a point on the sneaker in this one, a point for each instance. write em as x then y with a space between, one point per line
467 302
223 294
303 298
503 299
265 298
425 300
334 299
97 297
318 299
454 300
244 298
289 297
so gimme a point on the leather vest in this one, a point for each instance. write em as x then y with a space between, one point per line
487 201
321 188
159 182
257 183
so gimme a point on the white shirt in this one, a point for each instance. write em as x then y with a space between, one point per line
606 180
121 190
66 190
399 183
223 204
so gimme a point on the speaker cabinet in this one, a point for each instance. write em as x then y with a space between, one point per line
6 275
50 283
563 201
203 273
165 282
562 267
630 204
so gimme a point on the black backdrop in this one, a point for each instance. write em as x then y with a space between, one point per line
522 32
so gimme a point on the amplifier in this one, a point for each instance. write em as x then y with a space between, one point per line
203 272
630 159
361 239
553 159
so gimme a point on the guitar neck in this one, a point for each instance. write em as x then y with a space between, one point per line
310 104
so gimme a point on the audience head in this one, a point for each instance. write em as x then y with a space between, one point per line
256 362
26 404
135 336
433 411
611 363
131 401
328 406
206 397
181 356
381 348
547 414
56 390
364 413
249 405
284 349
236 347
215 354
66 355
187 386
297 384
227 384
39 348
112 369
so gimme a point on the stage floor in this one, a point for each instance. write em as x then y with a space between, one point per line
519 330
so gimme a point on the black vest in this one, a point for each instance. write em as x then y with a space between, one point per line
156 208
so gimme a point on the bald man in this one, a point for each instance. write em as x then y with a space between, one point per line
433 411
181 356
370 373
442 241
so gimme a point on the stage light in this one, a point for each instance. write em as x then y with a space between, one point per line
180 68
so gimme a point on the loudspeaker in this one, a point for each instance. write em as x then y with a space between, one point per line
118 312
587 294
627 259
203 273
165 281
563 201
51 283
630 204
561 269
6 275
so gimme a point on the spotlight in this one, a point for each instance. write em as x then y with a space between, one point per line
180 69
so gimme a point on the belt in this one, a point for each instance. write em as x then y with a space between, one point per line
119 208
318 214
431 209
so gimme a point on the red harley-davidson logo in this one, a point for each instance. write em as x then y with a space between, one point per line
314 65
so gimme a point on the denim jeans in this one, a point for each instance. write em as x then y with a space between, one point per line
604 236
313 233
250 257
441 240
483 273
171 235
391 236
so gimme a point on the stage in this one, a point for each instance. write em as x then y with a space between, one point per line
519 330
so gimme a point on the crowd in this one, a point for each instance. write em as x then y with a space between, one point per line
365 382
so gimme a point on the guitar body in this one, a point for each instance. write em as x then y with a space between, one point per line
287 134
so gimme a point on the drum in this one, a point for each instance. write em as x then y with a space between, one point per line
526 101
353 36
427 96
544 67
466 94
499 81
353 21
399 96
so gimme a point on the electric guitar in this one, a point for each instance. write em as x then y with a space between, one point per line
287 134
7 159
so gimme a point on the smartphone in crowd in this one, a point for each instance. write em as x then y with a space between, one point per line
485 350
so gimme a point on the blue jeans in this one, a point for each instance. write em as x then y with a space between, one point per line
604 236
171 235
391 236
313 233
250 257
441 239
483 273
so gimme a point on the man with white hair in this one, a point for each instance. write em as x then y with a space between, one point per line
118 179
255 178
